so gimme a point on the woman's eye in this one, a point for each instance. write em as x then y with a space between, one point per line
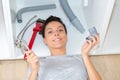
49 32
60 30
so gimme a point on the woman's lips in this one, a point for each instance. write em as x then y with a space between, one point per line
57 39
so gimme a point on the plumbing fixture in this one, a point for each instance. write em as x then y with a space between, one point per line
34 8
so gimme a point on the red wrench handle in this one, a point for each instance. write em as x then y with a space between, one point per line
36 29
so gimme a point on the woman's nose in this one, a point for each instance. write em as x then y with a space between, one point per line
56 33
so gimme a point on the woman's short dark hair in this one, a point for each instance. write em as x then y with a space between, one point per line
50 19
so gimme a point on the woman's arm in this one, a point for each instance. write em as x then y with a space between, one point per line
88 45
92 73
33 75
33 63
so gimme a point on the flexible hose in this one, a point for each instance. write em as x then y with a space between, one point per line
26 26
73 19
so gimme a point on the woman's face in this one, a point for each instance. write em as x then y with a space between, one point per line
55 35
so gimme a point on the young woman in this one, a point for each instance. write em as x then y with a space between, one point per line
55 37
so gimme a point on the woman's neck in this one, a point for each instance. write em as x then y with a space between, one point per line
58 52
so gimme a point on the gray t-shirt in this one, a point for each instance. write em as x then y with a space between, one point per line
62 68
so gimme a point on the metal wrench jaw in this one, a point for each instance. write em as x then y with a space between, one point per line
23 47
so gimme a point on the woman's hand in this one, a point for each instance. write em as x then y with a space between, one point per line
33 60
88 45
